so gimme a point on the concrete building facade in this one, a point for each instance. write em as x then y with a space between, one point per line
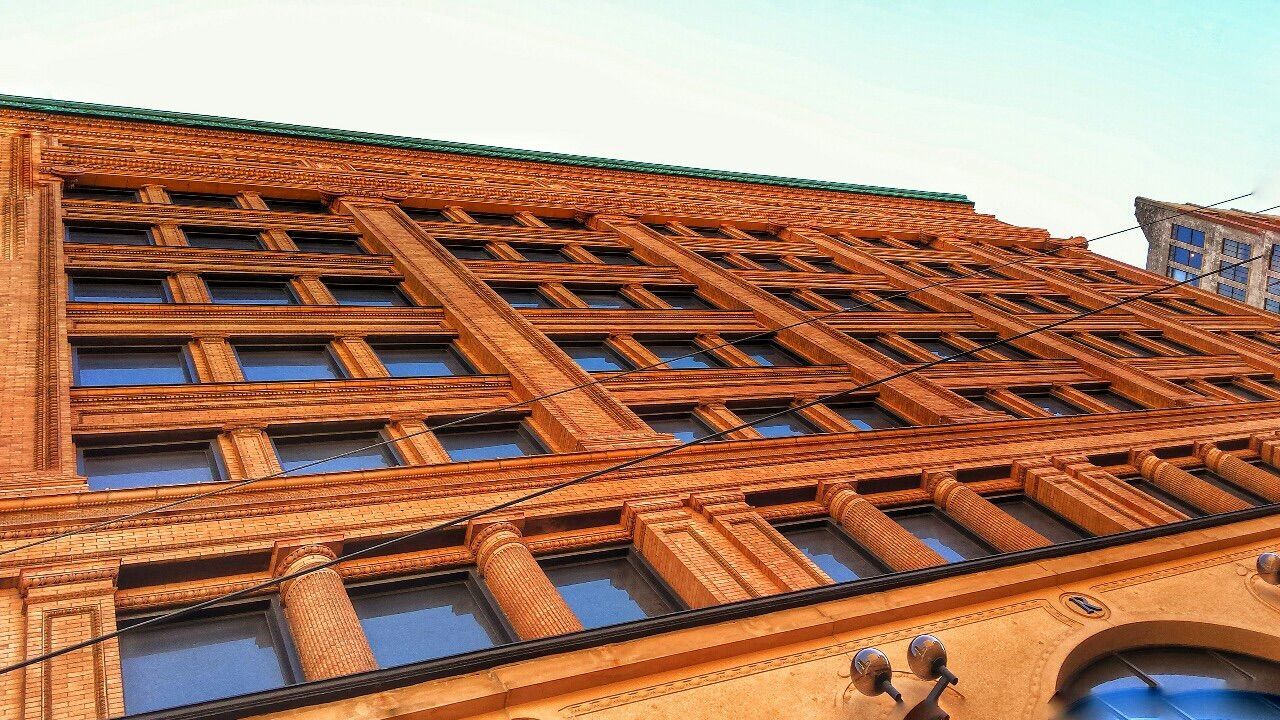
304 343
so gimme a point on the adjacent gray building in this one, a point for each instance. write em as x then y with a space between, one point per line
1187 240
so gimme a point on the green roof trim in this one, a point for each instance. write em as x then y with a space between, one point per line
115 112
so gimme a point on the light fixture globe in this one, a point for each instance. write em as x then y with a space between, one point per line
926 657
872 674
1269 567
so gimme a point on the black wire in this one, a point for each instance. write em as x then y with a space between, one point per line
471 418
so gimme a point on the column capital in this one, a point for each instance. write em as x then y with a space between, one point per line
633 509
67 575
711 504
288 555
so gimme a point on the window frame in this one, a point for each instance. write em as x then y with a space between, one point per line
354 239
830 524
184 351
165 292
633 558
519 425
450 346
339 370
389 446
214 232
211 282
217 463
395 287
204 200
71 227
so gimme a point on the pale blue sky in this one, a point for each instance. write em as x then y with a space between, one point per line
1049 116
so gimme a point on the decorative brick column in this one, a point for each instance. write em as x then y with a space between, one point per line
875 531
531 603
1089 496
762 544
322 621
1003 531
1234 470
1183 485
65 605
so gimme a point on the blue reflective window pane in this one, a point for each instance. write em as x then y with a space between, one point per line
596 357
329 244
605 300
299 450
943 536
607 592
267 364
368 295
769 354
100 367
421 623
122 290
524 298
148 466
422 361
788 425
108 235
833 552
869 416
174 664
1187 235
224 239
1231 291
672 354
489 443
1187 257
251 293
685 426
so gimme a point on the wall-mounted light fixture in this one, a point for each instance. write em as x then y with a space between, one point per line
872 674
1269 568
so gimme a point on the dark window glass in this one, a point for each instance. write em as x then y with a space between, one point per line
1024 303
1069 304
711 232
114 468
426 621
986 403
683 299
943 536
422 360
1130 347
685 426
887 350
359 450
261 292
327 243
469 251
848 302
1037 518
118 290
760 234
166 665
273 363
902 302
1229 488
788 425
524 297
84 192
368 294
223 239
1241 392
608 591
203 200
673 354
771 263
108 366
489 442
1164 497
1116 400
869 416
605 299
826 266
834 552
792 299
769 354
943 270
1051 404
1187 235
108 235
722 261
1010 352
494 219
298 206
941 350
544 254
427 215
596 357
561 223
661 229
616 257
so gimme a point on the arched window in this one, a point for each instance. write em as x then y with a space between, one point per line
1174 682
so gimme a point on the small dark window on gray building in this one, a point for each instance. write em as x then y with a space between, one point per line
367 294
118 290
430 618
84 233
422 360
489 442
276 363
115 365
608 589
360 450
595 356
943 535
132 466
208 200
223 239
833 551
327 243
251 292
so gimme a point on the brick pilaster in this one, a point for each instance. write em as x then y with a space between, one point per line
763 545
1089 496
877 532
1003 531
65 605
531 603
1234 470
1183 485
325 629
249 452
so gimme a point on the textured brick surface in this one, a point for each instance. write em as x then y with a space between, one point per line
322 622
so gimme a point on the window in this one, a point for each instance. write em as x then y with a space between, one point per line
422 360
562 223
1239 273
270 363
941 350
223 239
1010 352
760 234
1036 517
113 366
833 551
943 535
494 219
1271 305
1025 303
661 229
616 257
685 426
943 270
847 301
1231 489
1068 303
297 206
1188 683
426 215
327 243
769 354
360 450
1275 257
792 299
712 232
1161 496
468 251
879 345
722 261
903 302
869 416
1115 400
608 589
489 442
596 357
1183 275
118 290
1129 347
771 263
1187 235
119 467
544 254
78 233
683 299
1186 257
166 665
1231 291
203 200
523 298
683 355
786 425
826 266
1050 403
100 194
251 292
436 617
980 399
1241 392
1236 249
368 294
605 300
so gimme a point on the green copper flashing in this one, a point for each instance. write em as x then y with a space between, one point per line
114 112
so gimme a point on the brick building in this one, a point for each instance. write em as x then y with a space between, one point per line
1185 240
194 301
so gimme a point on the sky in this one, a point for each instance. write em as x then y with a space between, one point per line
1046 115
